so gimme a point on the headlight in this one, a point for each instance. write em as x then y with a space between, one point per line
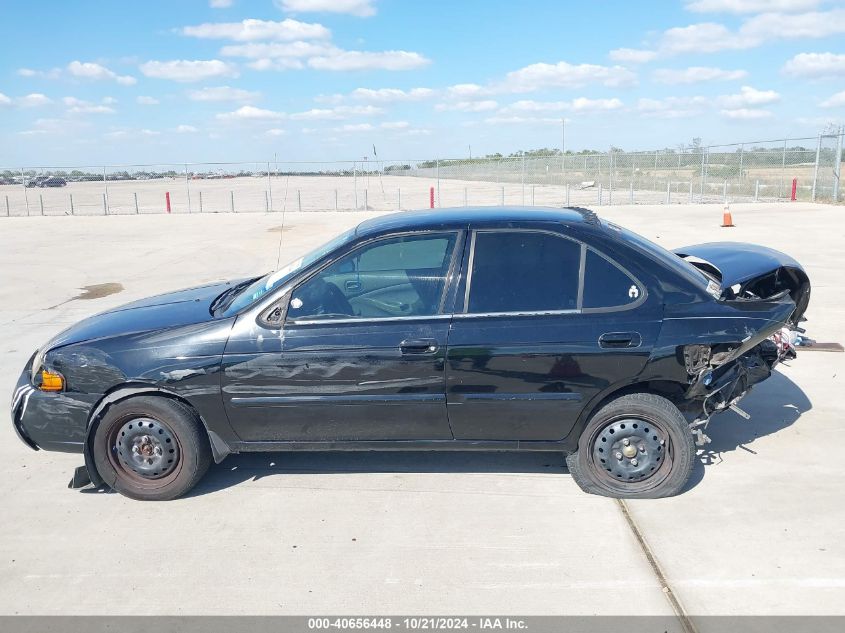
42 378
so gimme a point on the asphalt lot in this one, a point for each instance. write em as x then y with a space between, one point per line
760 530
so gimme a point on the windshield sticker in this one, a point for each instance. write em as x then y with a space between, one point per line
633 292
714 289
296 303
276 276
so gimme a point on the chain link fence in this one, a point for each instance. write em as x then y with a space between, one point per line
805 169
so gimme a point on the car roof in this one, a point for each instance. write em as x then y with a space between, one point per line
477 216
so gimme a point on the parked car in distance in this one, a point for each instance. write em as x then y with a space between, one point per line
53 181
473 329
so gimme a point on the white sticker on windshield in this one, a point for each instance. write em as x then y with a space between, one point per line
296 303
633 292
272 279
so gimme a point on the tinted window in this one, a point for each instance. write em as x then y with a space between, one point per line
606 285
524 271
394 277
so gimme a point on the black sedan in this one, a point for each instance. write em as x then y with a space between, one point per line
468 329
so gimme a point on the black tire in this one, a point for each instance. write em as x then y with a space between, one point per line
659 438
164 432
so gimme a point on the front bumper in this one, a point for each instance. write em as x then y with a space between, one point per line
51 421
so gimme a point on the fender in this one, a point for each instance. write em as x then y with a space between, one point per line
219 448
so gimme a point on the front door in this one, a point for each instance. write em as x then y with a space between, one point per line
362 350
547 324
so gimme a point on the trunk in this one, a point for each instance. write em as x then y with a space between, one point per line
747 272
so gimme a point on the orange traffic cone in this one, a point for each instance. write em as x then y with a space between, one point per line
727 220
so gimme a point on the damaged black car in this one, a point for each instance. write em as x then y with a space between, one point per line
496 329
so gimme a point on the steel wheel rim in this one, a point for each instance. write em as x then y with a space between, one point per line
144 448
631 452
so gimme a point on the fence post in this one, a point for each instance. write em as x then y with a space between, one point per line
794 189
503 196
703 153
782 169
837 165
816 167
270 187
7 205
632 191
266 202
668 191
25 196
398 198
599 194
532 195
567 194
41 203
200 201
465 196
299 199
167 201
438 182
335 199
105 192
523 179
725 192
756 191
135 196
187 188
355 182
232 201
431 197
690 190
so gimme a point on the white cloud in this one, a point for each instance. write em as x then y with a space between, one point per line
276 64
748 96
706 37
360 8
389 95
220 4
78 106
340 112
696 74
564 75
746 114
53 73
365 60
815 65
188 70
222 93
632 55
275 132
251 30
519 120
355 127
186 129
673 107
835 101
581 104
4 100
251 113
395 125
468 106
272 50
34 100
98 72
749 6
144 100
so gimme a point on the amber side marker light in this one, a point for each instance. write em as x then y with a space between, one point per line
51 381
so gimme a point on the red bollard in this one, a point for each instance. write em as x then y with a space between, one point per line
167 199
431 197
794 189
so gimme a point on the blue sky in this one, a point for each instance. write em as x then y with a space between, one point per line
228 80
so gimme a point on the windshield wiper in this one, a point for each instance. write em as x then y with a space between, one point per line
224 300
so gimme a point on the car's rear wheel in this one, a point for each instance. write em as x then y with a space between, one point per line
151 448
636 446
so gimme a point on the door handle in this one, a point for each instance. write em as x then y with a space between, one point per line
418 346
620 339
351 285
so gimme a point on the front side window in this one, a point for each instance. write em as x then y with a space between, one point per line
392 277
523 271
606 285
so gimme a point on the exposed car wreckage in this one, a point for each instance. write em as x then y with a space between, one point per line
748 277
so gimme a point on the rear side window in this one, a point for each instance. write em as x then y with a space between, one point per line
522 271
606 285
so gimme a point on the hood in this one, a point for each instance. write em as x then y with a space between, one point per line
173 309
750 271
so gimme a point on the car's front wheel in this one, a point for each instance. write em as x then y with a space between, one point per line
635 446
151 448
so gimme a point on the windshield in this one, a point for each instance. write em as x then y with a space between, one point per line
269 282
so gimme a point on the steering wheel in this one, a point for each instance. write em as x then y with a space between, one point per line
334 301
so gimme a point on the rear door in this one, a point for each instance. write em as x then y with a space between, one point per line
546 324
